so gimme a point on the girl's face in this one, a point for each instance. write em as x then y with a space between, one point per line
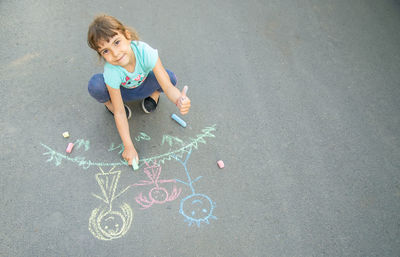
118 51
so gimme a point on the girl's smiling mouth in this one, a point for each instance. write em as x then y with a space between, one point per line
121 58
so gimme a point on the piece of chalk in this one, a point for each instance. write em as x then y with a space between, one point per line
69 147
134 165
220 164
179 120
184 91
65 134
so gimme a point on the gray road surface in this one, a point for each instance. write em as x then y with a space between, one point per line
300 99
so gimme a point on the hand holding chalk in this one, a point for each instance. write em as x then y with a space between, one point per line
130 155
182 97
184 90
183 102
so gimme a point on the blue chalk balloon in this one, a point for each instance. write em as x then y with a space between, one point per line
179 120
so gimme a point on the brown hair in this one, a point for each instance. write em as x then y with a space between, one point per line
104 27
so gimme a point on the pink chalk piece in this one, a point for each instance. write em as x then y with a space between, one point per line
220 164
69 147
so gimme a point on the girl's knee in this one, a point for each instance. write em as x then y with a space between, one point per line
97 88
172 77
96 83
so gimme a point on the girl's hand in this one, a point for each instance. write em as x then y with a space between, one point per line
129 154
183 102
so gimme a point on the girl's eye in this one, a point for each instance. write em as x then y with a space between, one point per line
117 42
105 51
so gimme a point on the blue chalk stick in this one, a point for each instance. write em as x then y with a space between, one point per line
179 120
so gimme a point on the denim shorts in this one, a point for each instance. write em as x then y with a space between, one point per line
98 90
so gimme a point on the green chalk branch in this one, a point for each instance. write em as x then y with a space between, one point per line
58 157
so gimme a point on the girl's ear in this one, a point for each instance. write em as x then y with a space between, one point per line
127 35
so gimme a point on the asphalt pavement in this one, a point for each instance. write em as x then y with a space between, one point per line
299 99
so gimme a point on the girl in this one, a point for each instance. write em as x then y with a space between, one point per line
132 71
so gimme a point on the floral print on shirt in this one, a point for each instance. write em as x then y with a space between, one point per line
128 81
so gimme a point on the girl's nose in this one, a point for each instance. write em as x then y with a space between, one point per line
113 52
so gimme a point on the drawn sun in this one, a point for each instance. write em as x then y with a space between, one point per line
197 208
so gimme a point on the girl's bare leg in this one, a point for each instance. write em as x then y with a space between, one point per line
109 106
155 95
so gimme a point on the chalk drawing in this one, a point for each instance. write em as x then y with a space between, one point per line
142 136
58 157
171 140
81 142
104 222
196 208
113 147
157 194
108 222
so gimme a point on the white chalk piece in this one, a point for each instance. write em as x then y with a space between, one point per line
134 165
65 134
179 120
220 164
69 147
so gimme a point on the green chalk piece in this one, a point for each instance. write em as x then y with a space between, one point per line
134 165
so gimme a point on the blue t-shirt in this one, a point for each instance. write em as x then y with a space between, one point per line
146 58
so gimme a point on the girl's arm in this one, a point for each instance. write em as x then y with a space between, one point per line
170 91
129 153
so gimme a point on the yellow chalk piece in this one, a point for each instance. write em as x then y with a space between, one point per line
134 165
65 134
